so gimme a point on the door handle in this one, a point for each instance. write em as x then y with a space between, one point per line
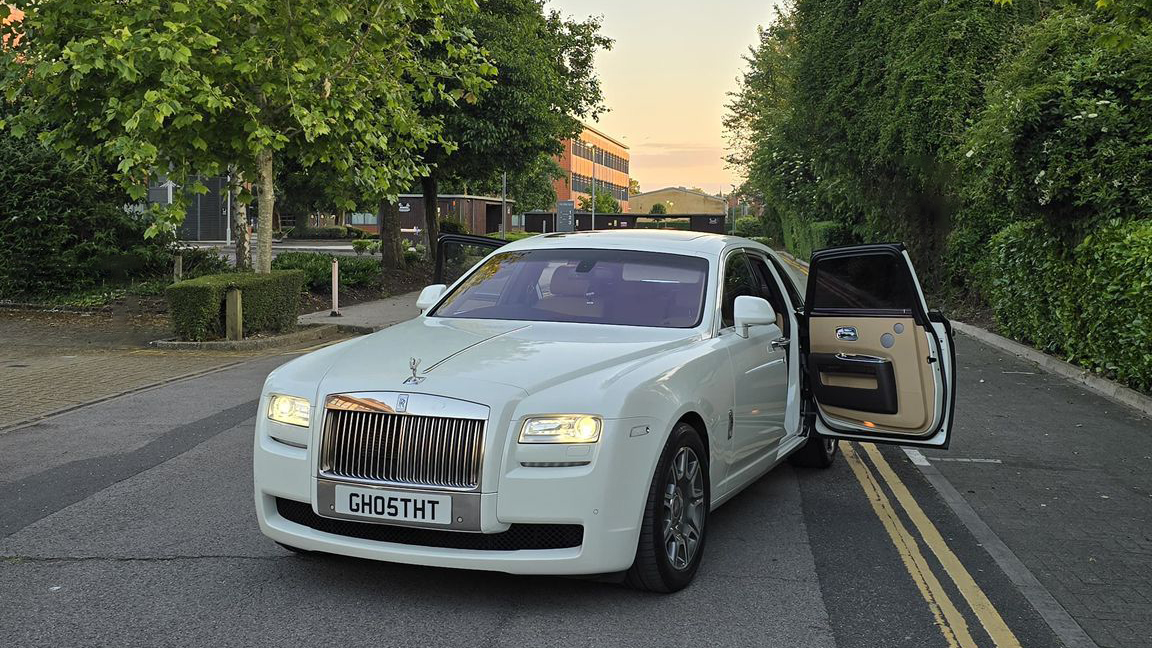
847 333
780 343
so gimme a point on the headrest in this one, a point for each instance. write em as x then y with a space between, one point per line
566 283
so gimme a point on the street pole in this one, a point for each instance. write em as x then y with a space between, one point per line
592 225
504 206
228 212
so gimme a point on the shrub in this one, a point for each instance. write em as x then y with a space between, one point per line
802 238
1026 277
374 246
361 246
412 255
270 303
452 226
317 268
63 227
658 208
327 233
747 226
1112 293
197 262
1092 303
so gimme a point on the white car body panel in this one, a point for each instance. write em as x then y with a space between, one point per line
633 377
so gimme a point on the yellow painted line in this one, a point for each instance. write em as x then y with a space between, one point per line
948 618
989 617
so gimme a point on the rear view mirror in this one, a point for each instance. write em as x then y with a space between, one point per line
429 296
752 311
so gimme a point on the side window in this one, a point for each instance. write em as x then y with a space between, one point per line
789 277
863 282
770 290
738 280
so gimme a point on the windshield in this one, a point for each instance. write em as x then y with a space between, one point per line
630 288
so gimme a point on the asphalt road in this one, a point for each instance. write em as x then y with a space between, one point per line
131 523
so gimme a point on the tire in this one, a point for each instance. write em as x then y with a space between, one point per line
667 554
819 451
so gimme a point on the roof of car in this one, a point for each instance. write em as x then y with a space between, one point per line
665 240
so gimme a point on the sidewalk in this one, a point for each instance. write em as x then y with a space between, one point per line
370 316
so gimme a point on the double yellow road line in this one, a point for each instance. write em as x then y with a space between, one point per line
948 616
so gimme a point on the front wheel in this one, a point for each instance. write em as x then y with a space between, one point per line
675 516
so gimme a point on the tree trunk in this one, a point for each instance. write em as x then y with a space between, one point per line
267 204
431 217
240 224
388 220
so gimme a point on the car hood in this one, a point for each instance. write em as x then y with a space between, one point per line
529 356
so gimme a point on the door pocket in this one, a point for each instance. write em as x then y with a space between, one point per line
855 382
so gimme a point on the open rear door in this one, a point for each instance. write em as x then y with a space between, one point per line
458 253
881 368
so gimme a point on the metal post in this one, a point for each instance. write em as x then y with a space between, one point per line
592 225
504 207
228 211
335 288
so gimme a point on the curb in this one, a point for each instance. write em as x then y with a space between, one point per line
1079 375
321 332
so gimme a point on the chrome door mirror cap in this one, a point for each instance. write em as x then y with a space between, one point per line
429 296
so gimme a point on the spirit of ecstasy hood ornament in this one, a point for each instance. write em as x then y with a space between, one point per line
414 364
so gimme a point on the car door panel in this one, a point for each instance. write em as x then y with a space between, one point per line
879 368
459 253
759 374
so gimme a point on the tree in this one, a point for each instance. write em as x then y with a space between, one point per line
531 187
633 186
191 87
605 203
545 83
658 208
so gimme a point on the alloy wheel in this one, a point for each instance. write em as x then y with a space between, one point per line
684 510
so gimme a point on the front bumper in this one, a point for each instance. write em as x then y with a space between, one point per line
605 497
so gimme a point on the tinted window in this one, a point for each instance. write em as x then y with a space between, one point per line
770 290
738 280
593 286
872 281
459 257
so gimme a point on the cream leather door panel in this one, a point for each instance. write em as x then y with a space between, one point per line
879 366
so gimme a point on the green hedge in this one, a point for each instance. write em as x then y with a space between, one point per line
317 267
337 232
1092 303
270 303
802 238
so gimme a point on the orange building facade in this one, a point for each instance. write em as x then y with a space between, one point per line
594 157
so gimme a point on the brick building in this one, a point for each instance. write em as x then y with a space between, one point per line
593 156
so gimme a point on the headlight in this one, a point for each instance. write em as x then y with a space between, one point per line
561 428
289 409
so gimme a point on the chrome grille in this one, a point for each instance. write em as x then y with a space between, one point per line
402 449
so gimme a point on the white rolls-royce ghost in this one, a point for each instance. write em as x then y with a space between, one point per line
577 403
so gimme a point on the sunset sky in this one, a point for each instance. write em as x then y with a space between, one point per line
666 78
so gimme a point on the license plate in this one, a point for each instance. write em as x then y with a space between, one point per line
400 506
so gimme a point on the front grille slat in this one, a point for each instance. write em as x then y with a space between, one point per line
402 449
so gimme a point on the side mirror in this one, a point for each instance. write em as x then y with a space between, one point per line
429 296
751 311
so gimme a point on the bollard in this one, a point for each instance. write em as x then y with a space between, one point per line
178 267
234 315
335 288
